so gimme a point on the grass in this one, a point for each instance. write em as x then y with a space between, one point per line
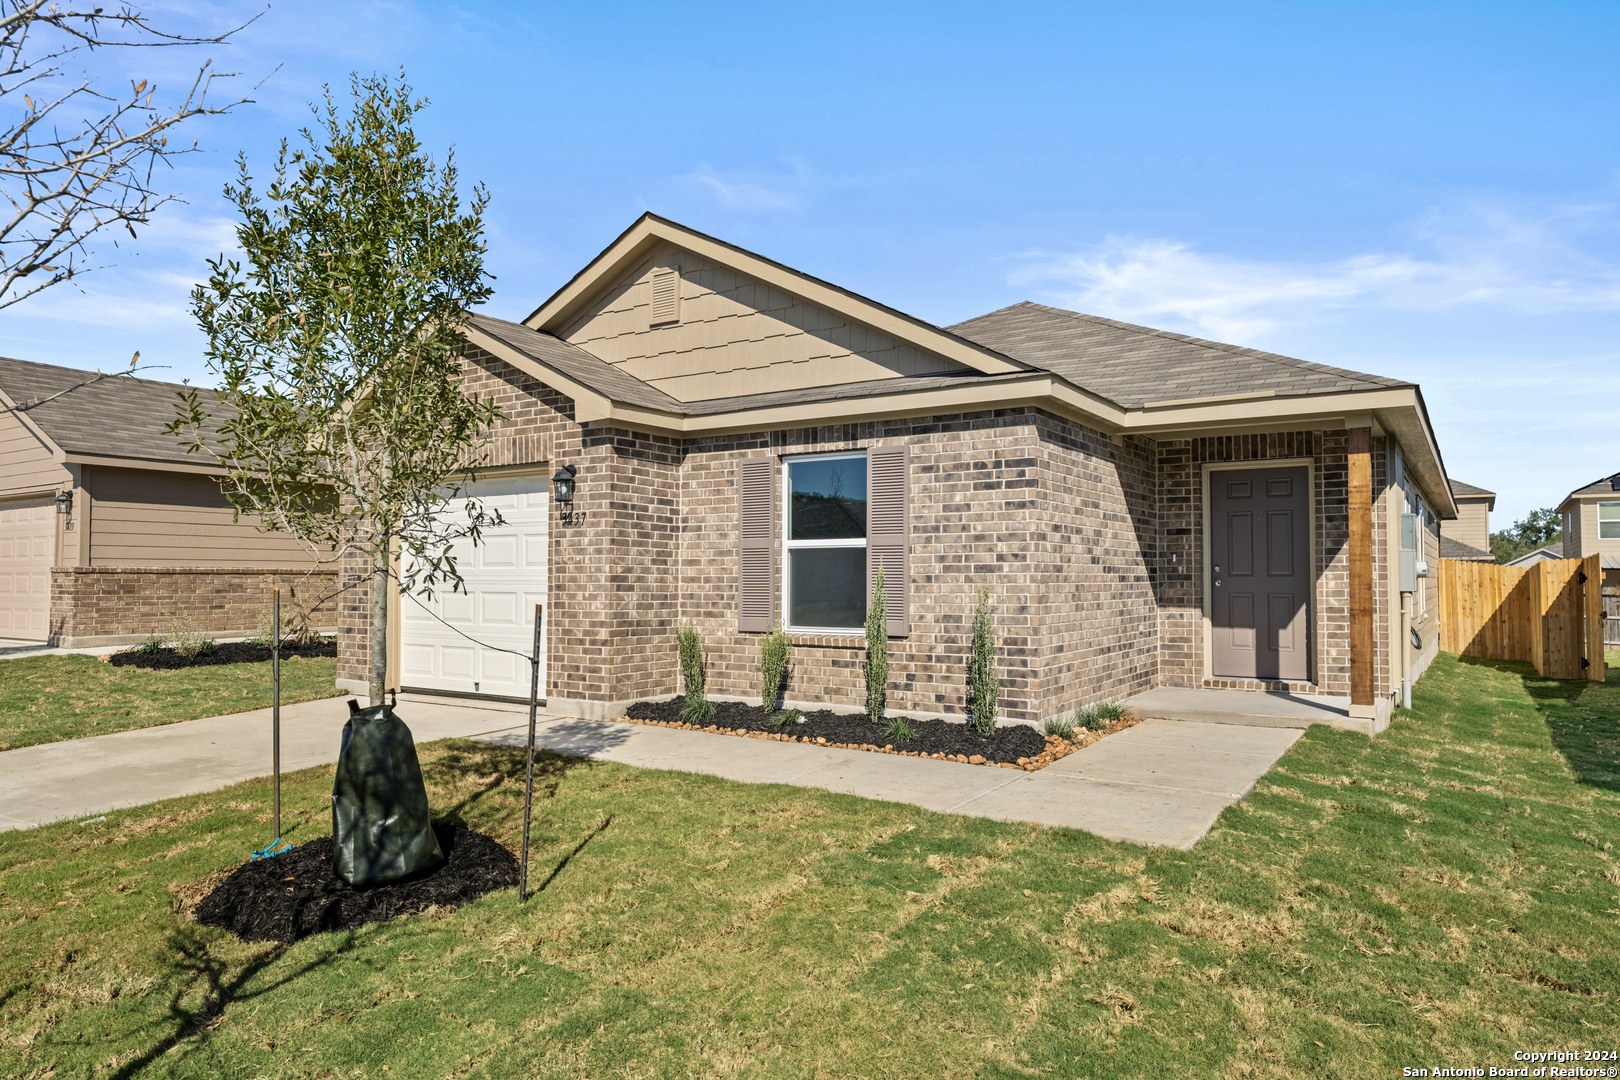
50 698
1443 895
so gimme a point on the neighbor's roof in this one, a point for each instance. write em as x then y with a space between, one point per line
1603 486
1541 554
1456 549
1462 490
120 417
1134 366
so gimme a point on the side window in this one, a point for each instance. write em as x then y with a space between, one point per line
1609 520
824 578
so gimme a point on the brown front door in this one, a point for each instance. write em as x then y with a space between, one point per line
1260 575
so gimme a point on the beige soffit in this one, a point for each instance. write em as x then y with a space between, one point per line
650 230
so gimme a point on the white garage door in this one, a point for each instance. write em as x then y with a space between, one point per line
27 548
505 577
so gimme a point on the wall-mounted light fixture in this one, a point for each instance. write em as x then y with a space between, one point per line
64 502
562 484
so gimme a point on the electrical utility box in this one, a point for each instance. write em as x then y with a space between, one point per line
1409 553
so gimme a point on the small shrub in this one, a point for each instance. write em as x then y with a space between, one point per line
689 644
1061 727
185 639
782 719
899 730
153 644
983 686
877 652
1099 715
774 652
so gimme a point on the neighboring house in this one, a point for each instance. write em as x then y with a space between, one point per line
1468 537
751 444
1592 526
1546 553
109 531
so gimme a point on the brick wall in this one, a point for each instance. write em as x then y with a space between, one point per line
1092 550
94 602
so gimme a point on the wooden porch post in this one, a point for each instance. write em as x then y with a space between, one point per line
1361 577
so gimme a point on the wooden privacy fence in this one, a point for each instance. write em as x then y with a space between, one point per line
1549 614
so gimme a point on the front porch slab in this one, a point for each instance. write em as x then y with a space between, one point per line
1248 709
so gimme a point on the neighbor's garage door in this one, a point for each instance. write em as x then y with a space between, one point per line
505 577
27 548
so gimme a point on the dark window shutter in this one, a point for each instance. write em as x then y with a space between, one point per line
888 530
756 543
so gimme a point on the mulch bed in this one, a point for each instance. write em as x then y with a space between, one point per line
231 652
1010 746
290 896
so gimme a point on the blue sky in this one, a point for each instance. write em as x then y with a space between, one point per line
1422 190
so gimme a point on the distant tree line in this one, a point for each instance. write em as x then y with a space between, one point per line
1538 529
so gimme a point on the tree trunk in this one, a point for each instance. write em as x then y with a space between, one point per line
379 627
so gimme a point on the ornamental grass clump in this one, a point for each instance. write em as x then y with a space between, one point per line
1060 726
696 708
1100 715
983 686
899 730
774 652
877 652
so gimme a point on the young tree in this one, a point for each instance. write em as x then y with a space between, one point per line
336 346
76 159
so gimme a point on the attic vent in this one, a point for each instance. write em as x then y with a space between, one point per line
666 296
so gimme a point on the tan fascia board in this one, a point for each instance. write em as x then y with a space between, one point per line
146 464
649 231
28 422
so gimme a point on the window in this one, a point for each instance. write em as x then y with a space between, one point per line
824 580
1609 520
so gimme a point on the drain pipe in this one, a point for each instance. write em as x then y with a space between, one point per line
1406 650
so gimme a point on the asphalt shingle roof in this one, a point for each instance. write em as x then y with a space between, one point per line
1604 486
1456 549
577 364
1134 365
1460 489
121 417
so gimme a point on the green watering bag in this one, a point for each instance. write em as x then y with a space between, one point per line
381 830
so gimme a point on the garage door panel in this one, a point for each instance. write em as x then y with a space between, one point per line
27 550
503 576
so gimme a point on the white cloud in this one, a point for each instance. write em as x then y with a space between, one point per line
753 195
1488 258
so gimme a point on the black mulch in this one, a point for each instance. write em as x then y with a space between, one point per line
231 652
290 896
1007 743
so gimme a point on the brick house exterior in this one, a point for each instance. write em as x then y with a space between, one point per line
1081 510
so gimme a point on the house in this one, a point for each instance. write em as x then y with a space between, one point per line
751 444
1592 526
109 530
1545 553
1468 536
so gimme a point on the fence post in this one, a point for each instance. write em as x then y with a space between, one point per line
1592 567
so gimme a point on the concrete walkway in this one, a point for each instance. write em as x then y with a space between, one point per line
1160 782
53 781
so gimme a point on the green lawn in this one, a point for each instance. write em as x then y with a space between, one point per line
1443 895
49 698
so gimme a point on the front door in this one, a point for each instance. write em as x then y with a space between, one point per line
1260 578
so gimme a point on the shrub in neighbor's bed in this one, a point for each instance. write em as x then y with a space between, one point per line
774 652
877 651
983 685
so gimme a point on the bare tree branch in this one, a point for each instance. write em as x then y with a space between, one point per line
62 179
131 370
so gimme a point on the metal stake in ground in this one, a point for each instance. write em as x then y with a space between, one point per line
275 706
528 780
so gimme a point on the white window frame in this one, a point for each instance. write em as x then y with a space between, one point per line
1601 523
790 545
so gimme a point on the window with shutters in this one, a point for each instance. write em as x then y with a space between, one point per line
824 579
666 296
